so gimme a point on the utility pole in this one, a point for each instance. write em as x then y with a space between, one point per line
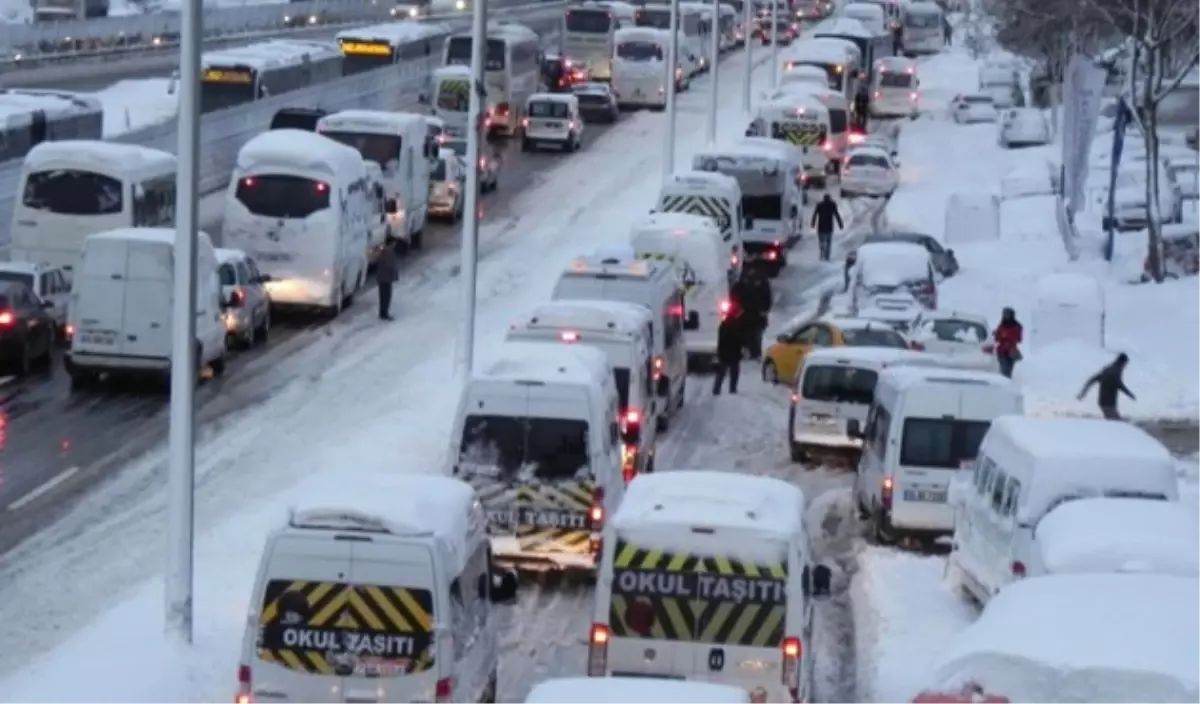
672 62
715 53
748 19
470 231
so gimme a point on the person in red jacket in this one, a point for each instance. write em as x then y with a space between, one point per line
1008 335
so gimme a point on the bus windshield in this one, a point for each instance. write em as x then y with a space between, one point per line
282 196
458 53
657 19
73 192
383 149
589 21
640 51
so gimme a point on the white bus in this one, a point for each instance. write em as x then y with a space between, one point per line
690 50
512 70
30 117
589 38
921 30
708 25
72 189
301 205
640 72
400 145
243 74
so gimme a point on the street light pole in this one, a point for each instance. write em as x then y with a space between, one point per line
715 53
181 475
774 43
672 61
747 20
470 231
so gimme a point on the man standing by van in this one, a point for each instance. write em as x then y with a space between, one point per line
1111 380
729 350
387 271
823 217
752 294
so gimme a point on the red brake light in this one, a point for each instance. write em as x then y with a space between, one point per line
857 138
827 146
599 634
249 182
7 319
322 187
725 307
886 493
1018 569
597 650
912 96
569 336
596 512
918 346
243 691
525 122
633 418
792 648
239 296
444 691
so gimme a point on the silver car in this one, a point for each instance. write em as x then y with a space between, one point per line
975 107
489 162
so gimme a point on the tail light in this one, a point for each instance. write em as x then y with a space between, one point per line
570 124
828 145
877 95
631 429
483 162
885 493
733 259
596 512
772 255
857 138
597 650
1018 569
70 331
912 96
660 366
444 691
525 122
795 398
243 690
502 109
792 652
725 307
988 348
7 319
596 546
918 346
238 297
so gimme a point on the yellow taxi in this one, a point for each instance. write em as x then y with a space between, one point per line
785 356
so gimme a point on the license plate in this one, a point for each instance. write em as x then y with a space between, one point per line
552 125
933 496
103 337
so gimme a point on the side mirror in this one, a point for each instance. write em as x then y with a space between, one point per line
747 223
504 587
822 580
693 321
795 212
391 206
854 429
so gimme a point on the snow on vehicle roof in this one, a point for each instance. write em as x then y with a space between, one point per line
588 316
641 34
845 322
110 158
1083 638
1080 457
704 179
226 256
865 356
1120 535
564 98
632 690
790 101
666 221
869 149
153 235
893 263
452 71
17 106
896 63
592 87
904 377
1080 290
754 517
270 54
891 314
370 119
529 361
828 97
817 51
303 151
394 33
806 70
944 314
842 26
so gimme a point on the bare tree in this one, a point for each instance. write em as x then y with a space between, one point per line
1162 36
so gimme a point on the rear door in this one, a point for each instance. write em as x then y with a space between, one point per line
148 297
98 298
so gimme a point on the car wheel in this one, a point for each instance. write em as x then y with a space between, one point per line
770 373
218 366
263 331
798 454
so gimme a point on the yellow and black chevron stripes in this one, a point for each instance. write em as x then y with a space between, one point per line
707 206
801 134
458 86
543 517
332 628
689 598
560 540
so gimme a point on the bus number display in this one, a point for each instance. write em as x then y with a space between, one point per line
226 75
366 49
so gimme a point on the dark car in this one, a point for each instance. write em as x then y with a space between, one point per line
560 73
297 119
26 328
942 258
597 103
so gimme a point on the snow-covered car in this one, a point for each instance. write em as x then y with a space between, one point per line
1130 210
1005 97
973 107
898 310
489 165
881 140
868 171
1023 127
597 102
943 259
1034 178
963 338
898 269
1180 251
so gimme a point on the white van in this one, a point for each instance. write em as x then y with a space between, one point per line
833 386
895 88
121 306
654 285
690 560
301 205
1026 467
631 690
623 332
400 145
640 70
803 75
537 435
695 250
840 118
382 592
710 194
802 121
75 188
552 118
924 427
452 98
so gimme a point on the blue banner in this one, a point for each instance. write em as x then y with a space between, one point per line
1110 221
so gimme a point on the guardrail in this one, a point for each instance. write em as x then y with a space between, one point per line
222 133
25 46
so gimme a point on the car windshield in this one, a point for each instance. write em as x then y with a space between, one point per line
944 443
524 449
227 274
955 330
876 160
17 277
895 80
621 377
548 108
873 337
839 384
593 99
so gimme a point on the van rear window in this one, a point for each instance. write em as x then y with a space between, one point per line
282 196
346 629
524 449
944 443
895 79
839 384
73 192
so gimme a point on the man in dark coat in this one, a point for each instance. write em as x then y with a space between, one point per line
387 271
752 294
823 217
1111 380
729 351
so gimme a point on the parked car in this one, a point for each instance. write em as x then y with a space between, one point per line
1130 205
1023 127
963 338
27 332
973 107
943 259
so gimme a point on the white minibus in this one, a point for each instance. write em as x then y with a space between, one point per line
302 206
1027 467
74 188
924 427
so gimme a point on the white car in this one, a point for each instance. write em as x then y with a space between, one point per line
1023 127
896 310
48 283
489 165
974 107
552 118
869 171
245 305
446 186
963 338
1131 212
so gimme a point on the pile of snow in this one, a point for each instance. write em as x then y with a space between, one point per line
15 12
1068 306
1033 179
972 217
1082 638
133 104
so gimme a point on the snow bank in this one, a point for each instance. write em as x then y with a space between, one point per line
1120 535
1083 638
131 105
904 613
15 12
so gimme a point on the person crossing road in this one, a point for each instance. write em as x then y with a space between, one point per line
824 216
